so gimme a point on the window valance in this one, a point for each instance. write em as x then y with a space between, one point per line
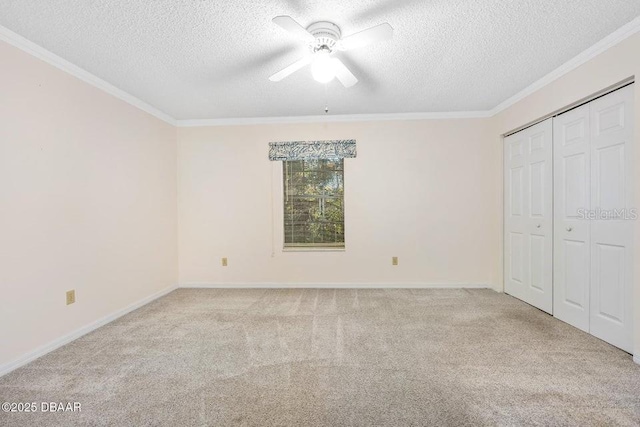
312 150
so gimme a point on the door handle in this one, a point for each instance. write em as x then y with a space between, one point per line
538 226
569 228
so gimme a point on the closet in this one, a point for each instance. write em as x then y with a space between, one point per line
569 216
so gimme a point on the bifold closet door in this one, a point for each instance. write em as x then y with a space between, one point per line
612 225
528 215
572 251
593 226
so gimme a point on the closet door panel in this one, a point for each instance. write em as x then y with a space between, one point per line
571 229
540 218
528 215
612 226
516 206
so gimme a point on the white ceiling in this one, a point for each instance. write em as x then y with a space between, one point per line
206 59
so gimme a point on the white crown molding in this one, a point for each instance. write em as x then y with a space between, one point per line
608 42
66 66
390 285
333 118
57 343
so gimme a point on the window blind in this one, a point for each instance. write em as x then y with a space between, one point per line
314 203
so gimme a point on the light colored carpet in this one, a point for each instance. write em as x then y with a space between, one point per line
332 357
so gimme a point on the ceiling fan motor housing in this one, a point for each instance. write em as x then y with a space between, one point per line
326 33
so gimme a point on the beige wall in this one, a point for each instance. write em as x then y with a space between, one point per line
425 191
607 69
87 202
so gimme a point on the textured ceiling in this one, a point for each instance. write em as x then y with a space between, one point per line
205 59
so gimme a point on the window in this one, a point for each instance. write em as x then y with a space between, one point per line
313 203
313 178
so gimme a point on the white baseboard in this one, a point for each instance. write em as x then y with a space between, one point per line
53 345
636 359
391 285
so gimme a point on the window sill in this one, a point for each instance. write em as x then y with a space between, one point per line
317 249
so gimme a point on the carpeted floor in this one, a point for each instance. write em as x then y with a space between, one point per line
305 357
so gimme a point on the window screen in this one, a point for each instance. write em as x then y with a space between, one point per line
314 203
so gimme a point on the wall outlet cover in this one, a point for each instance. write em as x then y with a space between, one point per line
71 296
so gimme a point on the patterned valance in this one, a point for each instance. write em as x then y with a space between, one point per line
312 150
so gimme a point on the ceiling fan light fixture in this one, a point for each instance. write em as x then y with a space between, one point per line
323 38
323 67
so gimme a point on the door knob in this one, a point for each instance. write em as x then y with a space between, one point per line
569 228
538 226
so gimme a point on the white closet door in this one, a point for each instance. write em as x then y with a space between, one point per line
528 215
572 181
612 229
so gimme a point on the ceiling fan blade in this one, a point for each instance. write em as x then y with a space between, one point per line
290 24
343 74
290 69
366 37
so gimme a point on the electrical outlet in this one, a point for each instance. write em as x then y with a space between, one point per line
224 262
394 260
71 296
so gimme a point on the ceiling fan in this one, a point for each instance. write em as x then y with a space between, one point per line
324 39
